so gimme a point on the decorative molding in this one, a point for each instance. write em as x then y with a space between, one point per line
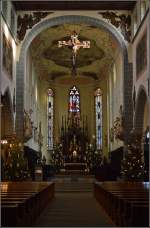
120 21
27 21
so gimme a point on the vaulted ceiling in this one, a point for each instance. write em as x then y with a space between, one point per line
53 63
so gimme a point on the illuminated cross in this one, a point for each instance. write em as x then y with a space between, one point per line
75 44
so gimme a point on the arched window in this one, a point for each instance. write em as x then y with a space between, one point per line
98 111
74 100
50 113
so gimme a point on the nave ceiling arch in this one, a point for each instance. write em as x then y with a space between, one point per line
54 23
53 62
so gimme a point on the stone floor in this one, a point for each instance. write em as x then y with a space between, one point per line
74 209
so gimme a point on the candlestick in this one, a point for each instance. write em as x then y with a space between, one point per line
62 121
65 121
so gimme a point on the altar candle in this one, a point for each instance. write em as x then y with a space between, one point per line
74 153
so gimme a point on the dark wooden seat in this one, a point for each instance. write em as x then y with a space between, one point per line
124 201
22 202
10 215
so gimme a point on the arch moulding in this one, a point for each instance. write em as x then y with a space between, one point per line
38 28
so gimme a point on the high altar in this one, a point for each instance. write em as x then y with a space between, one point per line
74 137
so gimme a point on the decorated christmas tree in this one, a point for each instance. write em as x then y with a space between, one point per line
16 165
132 165
93 157
57 157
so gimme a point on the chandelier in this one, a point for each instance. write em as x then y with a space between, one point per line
75 44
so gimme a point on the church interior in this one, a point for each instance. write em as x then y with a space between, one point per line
75 113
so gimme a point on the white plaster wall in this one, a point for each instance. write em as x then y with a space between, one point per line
115 95
138 11
31 98
143 77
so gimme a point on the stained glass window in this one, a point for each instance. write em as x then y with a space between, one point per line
74 100
50 97
98 110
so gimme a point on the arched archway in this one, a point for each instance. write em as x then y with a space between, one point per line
127 77
7 119
141 125
141 111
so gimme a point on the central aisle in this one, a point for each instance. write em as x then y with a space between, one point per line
73 210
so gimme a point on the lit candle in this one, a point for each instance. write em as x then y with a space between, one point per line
74 153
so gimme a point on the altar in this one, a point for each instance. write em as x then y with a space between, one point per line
74 140
70 154
75 168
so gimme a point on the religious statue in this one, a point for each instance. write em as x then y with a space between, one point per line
27 126
118 127
35 134
40 137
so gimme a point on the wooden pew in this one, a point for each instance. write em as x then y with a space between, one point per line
10 215
122 201
22 202
136 213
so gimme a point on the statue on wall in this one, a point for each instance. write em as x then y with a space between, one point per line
118 126
40 136
35 134
27 126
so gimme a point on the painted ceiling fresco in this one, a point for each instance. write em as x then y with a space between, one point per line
53 63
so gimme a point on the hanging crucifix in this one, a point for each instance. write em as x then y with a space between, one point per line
74 43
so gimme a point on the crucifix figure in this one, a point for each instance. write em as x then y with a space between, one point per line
74 43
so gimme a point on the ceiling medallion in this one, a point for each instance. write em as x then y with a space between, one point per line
75 44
